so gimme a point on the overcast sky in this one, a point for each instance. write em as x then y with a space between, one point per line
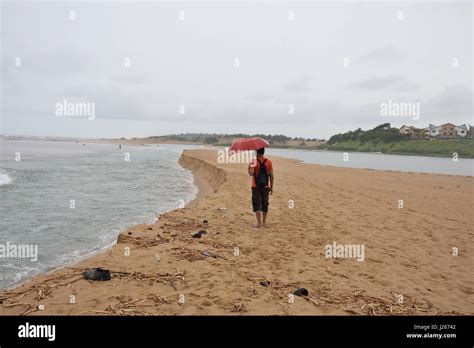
288 53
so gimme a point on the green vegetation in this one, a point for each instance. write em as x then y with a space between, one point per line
205 138
385 139
383 133
276 141
211 140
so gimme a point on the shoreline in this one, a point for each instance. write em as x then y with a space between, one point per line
204 189
215 184
140 142
396 153
202 185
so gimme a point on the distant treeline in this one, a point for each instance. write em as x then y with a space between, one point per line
215 138
386 139
382 133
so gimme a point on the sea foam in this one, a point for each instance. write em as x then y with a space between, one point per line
5 179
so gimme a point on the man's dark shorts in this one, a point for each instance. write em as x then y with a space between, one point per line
260 199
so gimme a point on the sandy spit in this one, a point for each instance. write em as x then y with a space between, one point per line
160 269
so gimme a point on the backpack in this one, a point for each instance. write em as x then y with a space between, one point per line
261 178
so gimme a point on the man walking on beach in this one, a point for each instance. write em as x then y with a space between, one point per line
261 171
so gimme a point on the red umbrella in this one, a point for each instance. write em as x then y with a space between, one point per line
248 144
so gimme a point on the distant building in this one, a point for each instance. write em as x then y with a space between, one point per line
434 130
415 133
406 129
462 130
425 132
448 131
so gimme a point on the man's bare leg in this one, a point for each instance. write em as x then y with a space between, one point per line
264 217
258 214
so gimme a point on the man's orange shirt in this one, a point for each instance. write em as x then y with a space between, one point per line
269 166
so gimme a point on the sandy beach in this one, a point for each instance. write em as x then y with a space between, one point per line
408 268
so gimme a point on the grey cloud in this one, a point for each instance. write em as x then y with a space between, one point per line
259 98
453 102
300 85
381 55
190 63
292 99
389 82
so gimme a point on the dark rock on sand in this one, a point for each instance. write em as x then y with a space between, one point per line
301 292
97 274
199 233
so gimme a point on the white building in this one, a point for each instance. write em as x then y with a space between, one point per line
462 130
434 131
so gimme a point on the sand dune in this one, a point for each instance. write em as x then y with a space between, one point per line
408 251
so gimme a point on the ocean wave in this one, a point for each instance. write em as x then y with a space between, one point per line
161 183
5 179
12 275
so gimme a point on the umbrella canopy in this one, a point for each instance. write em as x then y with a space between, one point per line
248 144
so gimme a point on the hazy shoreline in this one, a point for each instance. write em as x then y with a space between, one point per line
155 141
